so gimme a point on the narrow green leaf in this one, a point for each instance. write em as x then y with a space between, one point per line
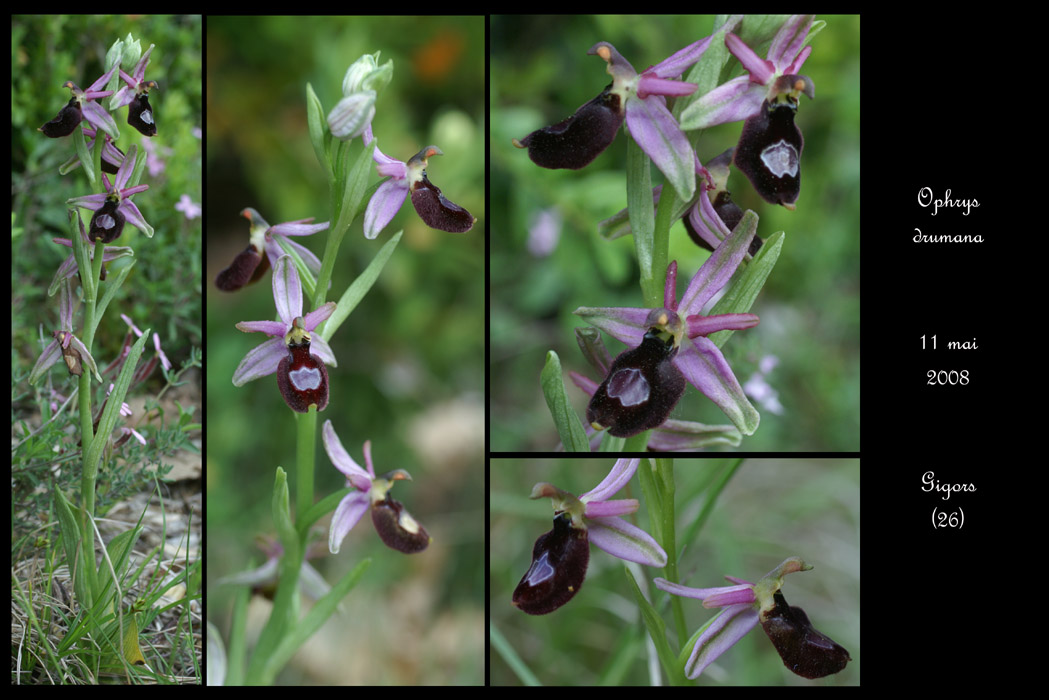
508 654
642 217
282 514
112 285
359 287
112 410
657 631
317 616
71 543
740 296
569 427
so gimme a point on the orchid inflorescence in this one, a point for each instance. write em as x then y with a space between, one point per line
668 347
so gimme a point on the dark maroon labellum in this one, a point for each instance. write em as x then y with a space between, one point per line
140 115
397 529
805 650
302 379
559 561
248 266
575 142
107 222
769 153
67 120
437 211
641 389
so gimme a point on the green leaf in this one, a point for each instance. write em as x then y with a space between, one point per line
569 427
282 514
71 543
657 631
317 616
740 296
360 286
642 216
354 186
112 410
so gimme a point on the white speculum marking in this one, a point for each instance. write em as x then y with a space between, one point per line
629 386
305 379
540 571
105 221
408 523
147 117
781 158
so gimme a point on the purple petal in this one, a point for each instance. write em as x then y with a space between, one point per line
318 316
705 325
651 85
609 509
275 329
384 205
760 69
349 512
732 101
301 227
287 290
676 64
706 369
621 539
343 462
657 132
320 348
47 359
719 267
623 324
101 119
689 592
134 217
728 627
786 45
617 478
260 361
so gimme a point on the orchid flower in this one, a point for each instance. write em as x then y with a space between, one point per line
640 99
805 650
433 208
114 207
560 557
769 149
82 106
396 527
65 344
249 265
669 346
296 356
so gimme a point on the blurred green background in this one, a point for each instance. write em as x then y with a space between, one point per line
809 309
411 370
771 509
163 290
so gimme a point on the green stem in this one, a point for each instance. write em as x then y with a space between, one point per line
305 461
666 476
89 471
